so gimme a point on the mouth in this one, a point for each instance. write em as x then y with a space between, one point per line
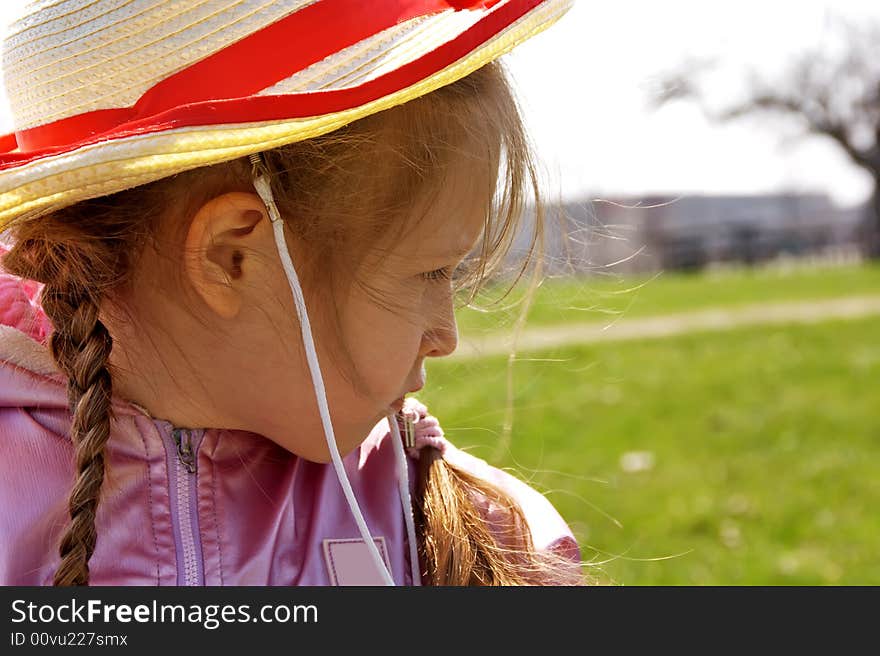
397 404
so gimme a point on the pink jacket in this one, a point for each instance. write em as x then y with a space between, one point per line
240 511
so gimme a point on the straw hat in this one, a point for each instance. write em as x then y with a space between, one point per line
110 94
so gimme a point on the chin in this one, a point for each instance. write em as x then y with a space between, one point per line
348 438
320 453
325 460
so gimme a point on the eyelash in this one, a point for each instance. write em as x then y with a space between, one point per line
438 274
448 273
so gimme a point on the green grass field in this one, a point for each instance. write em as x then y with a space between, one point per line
607 297
743 457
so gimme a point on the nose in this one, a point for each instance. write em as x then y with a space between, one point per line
441 338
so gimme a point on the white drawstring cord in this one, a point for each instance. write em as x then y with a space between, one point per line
403 488
264 189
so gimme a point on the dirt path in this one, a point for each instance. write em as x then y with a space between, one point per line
668 325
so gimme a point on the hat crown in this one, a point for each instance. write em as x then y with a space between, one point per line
66 58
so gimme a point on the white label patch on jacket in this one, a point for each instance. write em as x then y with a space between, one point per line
349 561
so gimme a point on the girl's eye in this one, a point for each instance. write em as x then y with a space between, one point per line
438 274
448 273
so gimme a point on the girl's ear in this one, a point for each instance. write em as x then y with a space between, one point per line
223 237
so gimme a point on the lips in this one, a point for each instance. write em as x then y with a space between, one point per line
397 404
419 384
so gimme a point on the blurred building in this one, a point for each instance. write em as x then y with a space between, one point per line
644 234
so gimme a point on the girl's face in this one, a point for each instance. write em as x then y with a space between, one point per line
390 341
245 368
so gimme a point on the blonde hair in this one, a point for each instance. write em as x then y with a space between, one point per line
87 253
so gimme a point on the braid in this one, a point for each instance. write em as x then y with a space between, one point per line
456 542
461 546
81 346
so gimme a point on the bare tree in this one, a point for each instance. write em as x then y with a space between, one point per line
831 90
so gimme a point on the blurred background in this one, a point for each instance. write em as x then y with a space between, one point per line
697 385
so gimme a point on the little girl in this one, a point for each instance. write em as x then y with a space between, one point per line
235 234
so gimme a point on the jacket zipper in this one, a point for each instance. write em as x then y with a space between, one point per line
183 488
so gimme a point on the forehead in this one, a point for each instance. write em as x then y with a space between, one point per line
448 223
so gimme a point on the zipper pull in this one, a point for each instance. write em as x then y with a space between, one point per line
184 449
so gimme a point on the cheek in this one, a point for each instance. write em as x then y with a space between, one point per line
390 317
383 342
